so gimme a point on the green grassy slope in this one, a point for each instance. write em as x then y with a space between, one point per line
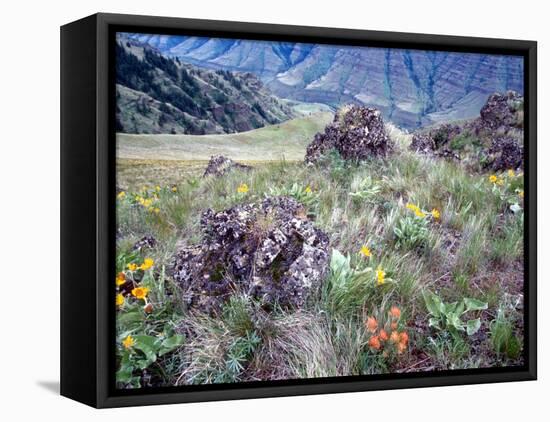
287 140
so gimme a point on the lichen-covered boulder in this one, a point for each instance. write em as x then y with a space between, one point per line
267 250
443 134
220 165
356 132
505 153
502 110
422 143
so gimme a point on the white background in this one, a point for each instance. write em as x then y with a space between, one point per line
29 240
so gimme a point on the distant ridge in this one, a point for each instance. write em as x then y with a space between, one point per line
412 88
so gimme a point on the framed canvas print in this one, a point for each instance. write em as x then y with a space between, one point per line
253 210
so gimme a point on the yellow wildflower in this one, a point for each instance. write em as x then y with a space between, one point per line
511 173
147 263
147 202
436 214
140 292
521 194
365 251
493 178
308 189
420 213
120 278
121 195
119 300
174 189
157 188
132 267
243 188
380 276
156 210
128 342
412 207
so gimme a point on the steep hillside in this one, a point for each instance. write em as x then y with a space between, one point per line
156 94
411 87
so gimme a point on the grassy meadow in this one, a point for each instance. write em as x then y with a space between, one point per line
426 268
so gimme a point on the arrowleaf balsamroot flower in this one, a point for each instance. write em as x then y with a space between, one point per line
243 188
420 213
140 292
121 195
307 189
371 324
147 263
132 267
380 276
416 209
119 300
365 251
493 178
511 173
120 278
128 342
436 214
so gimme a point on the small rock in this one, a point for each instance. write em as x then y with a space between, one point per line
146 242
220 165
422 143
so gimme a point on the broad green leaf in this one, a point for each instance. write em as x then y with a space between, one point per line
472 326
454 321
474 304
450 307
337 260
432 304
434 322
129 319
171 343
148 345
124 374
460 308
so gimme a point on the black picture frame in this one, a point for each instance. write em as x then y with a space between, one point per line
88 204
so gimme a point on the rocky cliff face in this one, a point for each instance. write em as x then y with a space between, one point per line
411 87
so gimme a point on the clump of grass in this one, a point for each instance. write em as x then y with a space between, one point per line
504 340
